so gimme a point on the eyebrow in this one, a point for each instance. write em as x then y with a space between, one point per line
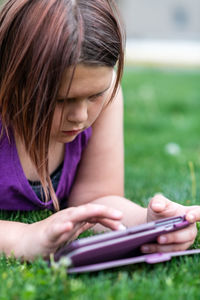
97 94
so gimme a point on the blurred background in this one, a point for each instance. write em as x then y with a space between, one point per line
161 87
162 31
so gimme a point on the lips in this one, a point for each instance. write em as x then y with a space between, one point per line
71 132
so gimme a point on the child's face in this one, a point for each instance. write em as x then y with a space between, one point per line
90 91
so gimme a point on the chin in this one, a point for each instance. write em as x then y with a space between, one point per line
66 140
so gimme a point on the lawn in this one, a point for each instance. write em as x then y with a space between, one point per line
162 146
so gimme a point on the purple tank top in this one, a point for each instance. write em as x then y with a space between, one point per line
15 190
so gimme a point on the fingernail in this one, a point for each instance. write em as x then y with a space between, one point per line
145 249
69 226
121 227
191 218
162 239
158 194
158 204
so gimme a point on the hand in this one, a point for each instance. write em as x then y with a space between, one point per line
48 235
161 207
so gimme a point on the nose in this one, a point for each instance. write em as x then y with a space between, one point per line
77 111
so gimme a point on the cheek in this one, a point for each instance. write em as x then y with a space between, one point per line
95 110
56 121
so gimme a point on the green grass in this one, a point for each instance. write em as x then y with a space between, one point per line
161 106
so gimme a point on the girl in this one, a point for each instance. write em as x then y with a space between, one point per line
61 142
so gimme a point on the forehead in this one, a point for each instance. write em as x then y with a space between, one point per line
87 80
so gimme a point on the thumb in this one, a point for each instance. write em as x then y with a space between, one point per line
161 207
159 203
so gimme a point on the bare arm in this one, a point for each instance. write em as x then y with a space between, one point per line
101 171
27 241
100 178
11 235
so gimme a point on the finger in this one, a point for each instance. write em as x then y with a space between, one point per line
68 236
86 227
164 208
111 224
154 248
158 203
74 234
81 230
180 236
58 229
193 214
89 211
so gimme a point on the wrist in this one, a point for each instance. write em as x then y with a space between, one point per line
14 239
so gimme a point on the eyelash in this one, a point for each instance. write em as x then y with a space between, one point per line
60 101
93 98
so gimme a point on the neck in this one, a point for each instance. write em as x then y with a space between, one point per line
56 157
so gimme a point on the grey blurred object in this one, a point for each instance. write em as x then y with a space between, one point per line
162 31
165 19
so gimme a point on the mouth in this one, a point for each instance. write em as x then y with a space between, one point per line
71 132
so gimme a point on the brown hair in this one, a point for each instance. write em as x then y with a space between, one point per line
39 40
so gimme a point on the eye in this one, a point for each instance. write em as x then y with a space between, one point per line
60 101
95 97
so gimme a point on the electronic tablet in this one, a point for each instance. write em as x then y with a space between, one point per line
117 245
